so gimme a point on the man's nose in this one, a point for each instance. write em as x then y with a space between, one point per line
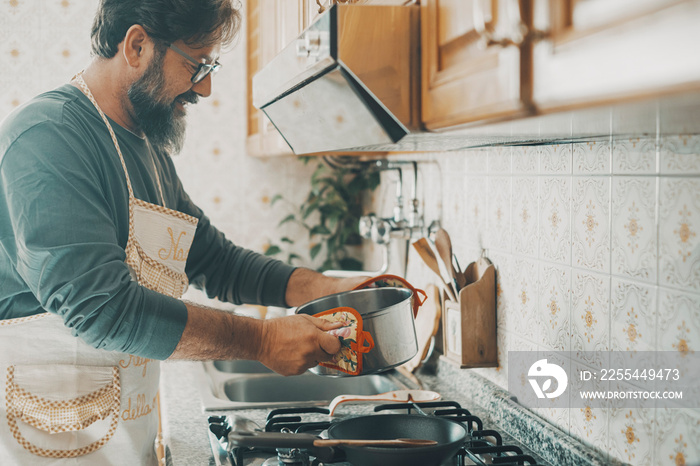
203 87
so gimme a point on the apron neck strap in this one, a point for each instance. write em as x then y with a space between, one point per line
86 91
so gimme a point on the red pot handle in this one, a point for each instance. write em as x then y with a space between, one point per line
417 303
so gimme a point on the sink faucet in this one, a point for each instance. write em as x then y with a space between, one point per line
399 226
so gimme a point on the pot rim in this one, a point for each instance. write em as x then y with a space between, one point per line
409 296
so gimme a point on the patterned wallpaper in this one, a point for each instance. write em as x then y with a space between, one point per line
597 245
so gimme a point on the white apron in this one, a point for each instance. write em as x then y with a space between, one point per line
67 403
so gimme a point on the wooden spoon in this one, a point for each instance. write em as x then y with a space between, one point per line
443 243
425 251
399 442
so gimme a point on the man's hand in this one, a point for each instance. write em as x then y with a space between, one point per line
292 344
306 285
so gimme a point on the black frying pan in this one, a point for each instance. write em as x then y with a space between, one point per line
449 436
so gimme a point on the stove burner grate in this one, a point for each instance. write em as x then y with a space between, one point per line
482 446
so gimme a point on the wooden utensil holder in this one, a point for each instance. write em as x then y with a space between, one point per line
469 325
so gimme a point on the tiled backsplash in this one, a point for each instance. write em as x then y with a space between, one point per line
597 247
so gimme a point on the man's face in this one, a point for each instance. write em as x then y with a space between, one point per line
159 97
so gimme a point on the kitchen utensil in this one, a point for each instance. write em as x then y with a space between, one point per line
425 251
427 324
443 244
387 314
399 396
399 442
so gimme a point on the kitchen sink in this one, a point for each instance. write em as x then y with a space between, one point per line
241 384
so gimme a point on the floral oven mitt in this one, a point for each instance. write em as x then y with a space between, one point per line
354 342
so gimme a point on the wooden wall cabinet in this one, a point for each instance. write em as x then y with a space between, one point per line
475 63
271 26
599 51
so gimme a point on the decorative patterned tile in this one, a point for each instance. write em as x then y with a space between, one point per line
634 156
679 233
505 279
677 437
526 159
592 157
523 298
590 243
633 317
525 216
560 417
631 435
678 321
499 232
590 316
500 160
474 212
554 307
476 160
680 154
555 230
587 423
634 230
555 159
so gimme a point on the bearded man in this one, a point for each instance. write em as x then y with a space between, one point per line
99 241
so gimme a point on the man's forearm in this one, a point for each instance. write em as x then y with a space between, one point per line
213 334
288 345
305 285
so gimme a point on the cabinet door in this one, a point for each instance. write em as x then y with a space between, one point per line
271 25
464 78
600 51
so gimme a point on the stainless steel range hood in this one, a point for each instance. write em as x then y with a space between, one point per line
349 80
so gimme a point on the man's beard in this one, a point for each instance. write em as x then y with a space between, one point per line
161 121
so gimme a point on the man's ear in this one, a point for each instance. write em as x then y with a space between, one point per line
137 46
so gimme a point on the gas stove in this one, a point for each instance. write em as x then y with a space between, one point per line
482 446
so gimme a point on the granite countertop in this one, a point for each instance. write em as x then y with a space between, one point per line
185 422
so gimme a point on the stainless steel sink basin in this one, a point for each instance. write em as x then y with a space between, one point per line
249 384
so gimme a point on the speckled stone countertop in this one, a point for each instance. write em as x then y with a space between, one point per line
185 422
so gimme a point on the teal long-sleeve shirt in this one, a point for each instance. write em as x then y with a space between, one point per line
64 224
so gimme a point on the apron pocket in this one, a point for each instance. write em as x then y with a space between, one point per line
63 410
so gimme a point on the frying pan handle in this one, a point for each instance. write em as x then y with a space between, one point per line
418 302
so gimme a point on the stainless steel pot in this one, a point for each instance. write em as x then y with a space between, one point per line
387 314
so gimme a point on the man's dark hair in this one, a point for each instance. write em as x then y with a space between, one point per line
197 22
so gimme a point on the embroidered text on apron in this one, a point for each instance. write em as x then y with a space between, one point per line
65 399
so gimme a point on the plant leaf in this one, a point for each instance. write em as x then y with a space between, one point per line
272 250
315 250
286 219
319 230
275 198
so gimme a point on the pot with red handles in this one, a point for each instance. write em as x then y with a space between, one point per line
387 314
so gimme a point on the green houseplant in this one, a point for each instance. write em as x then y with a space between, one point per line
330 213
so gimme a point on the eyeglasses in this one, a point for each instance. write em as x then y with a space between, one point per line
203 69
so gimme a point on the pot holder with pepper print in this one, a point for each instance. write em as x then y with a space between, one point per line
354 342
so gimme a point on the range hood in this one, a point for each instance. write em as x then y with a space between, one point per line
350 80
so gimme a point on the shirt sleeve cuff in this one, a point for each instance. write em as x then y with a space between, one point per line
276 281
171 319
